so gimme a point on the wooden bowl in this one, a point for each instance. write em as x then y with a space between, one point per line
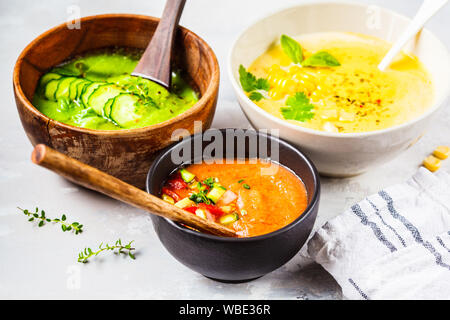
125 154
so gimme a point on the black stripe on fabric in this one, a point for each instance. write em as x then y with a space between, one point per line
376 230
411 228
358 289
442 243
377 212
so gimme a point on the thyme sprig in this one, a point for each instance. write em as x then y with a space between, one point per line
117 248
42 219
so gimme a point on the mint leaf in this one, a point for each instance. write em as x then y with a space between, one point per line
321 59
299 108
255 96
249 81
292 49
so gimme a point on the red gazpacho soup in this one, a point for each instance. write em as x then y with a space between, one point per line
241 195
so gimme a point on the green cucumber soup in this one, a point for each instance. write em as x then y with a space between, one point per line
96 91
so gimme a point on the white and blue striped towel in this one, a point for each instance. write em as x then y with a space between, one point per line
394 244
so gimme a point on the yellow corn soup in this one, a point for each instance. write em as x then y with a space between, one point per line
353 97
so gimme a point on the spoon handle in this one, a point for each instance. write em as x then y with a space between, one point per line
155 63
426 11
97 180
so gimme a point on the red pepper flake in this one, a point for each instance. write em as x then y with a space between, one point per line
379 101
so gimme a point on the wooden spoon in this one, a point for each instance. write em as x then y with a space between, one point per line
97 180
428 9
155 63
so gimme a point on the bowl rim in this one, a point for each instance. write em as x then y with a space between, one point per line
280 122
209 93
305 214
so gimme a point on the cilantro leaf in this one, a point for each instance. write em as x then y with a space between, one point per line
299 108
255 96
292 49
249 81
321 59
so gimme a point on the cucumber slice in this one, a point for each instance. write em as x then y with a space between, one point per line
81 86
107 107
51 88
101 95
88 91
46 78
123 110
73 88
229 218
63 88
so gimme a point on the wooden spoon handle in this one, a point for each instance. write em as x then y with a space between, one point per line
155 63
97 180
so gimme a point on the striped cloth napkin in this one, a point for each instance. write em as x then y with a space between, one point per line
394 244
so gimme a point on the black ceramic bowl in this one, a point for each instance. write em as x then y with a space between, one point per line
235 259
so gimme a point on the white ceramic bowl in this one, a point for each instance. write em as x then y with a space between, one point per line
342 154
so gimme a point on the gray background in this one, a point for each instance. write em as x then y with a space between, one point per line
41 263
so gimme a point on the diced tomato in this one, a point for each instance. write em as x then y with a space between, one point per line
170 193
191 209
176 184
214 210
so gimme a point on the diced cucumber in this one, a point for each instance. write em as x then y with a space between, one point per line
101 95
46 78
216 192
168 199
184 203
73 88
123 110
63 88
88 91
186 175
51 88
229 218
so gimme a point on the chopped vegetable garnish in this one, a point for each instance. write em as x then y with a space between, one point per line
432 163
229 218
168 199
183 203
240 181
186 175
246 186
216 192
442 152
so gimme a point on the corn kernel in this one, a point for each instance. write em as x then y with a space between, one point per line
432 163
442 152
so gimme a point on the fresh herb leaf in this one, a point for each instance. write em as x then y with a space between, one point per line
200 197
255 96
118 248
246 186
240 181
321 59
299 108
249 81
209 182
292 49
42 219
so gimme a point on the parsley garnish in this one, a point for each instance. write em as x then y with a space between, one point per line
246 186
253 85
209 182
299 108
